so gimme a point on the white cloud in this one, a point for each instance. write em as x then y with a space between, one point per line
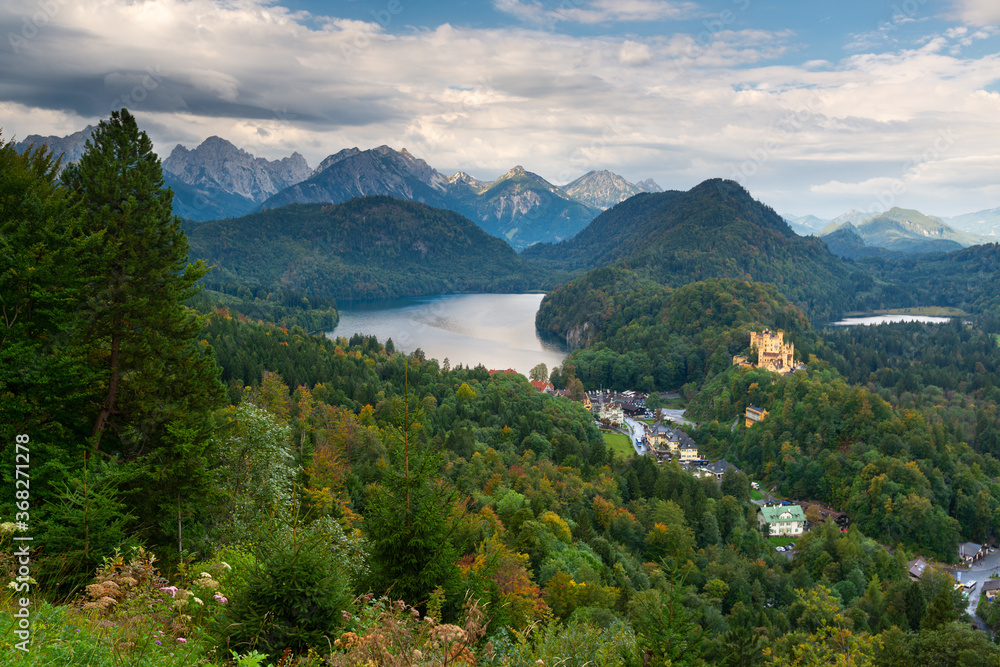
978 12
535 13
634 54
819 137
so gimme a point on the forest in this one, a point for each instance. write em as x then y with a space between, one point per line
366 248
208 487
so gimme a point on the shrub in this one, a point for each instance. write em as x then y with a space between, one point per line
291 598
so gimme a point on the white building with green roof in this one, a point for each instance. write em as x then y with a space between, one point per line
783 520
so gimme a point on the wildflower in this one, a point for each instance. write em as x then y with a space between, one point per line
182 640
170 589
157 641
198 601
204 575
226 567
221 598
78 629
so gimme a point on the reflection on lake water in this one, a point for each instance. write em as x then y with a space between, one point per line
495 330
888 319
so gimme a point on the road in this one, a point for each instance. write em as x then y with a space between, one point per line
635 431
981 570
677 416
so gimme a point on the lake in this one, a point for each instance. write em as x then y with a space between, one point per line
495 330
888 319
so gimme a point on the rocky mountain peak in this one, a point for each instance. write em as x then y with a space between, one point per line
69 147
602 189
218 165
649 185
514 173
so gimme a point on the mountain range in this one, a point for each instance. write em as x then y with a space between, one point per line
218 180
898 231
520 207
69 147
984 223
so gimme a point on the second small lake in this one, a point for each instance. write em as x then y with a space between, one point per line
495 330
888 319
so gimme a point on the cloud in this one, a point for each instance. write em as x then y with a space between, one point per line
978 12
537 14
677 107
634 53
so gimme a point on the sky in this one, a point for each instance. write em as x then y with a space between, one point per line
814 107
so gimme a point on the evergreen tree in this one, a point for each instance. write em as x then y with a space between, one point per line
85 523
408 519
142 335
153 388
46 379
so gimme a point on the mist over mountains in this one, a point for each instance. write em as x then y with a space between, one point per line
856 234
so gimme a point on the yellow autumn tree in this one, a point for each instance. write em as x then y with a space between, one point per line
827 639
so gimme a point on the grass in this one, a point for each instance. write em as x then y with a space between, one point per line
933 311
756 495
782 541
65 636
618 443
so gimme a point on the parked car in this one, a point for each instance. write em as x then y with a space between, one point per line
779 548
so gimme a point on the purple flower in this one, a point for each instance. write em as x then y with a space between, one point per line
170 589
158 642
182 640
78 629
221 598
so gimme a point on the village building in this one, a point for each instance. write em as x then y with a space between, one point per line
543 386
665 441
782 521
688 452
824 513
916 568
717 469
970 551
611 412
754 415
991 587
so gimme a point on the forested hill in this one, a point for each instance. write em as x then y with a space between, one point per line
369 247
715 230
641 334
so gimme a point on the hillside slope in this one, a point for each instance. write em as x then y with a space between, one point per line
370 247
715 230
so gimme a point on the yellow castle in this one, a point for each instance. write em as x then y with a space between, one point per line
773 353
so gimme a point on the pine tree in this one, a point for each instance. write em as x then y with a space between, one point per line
151 367
156 386
408 521
46 379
